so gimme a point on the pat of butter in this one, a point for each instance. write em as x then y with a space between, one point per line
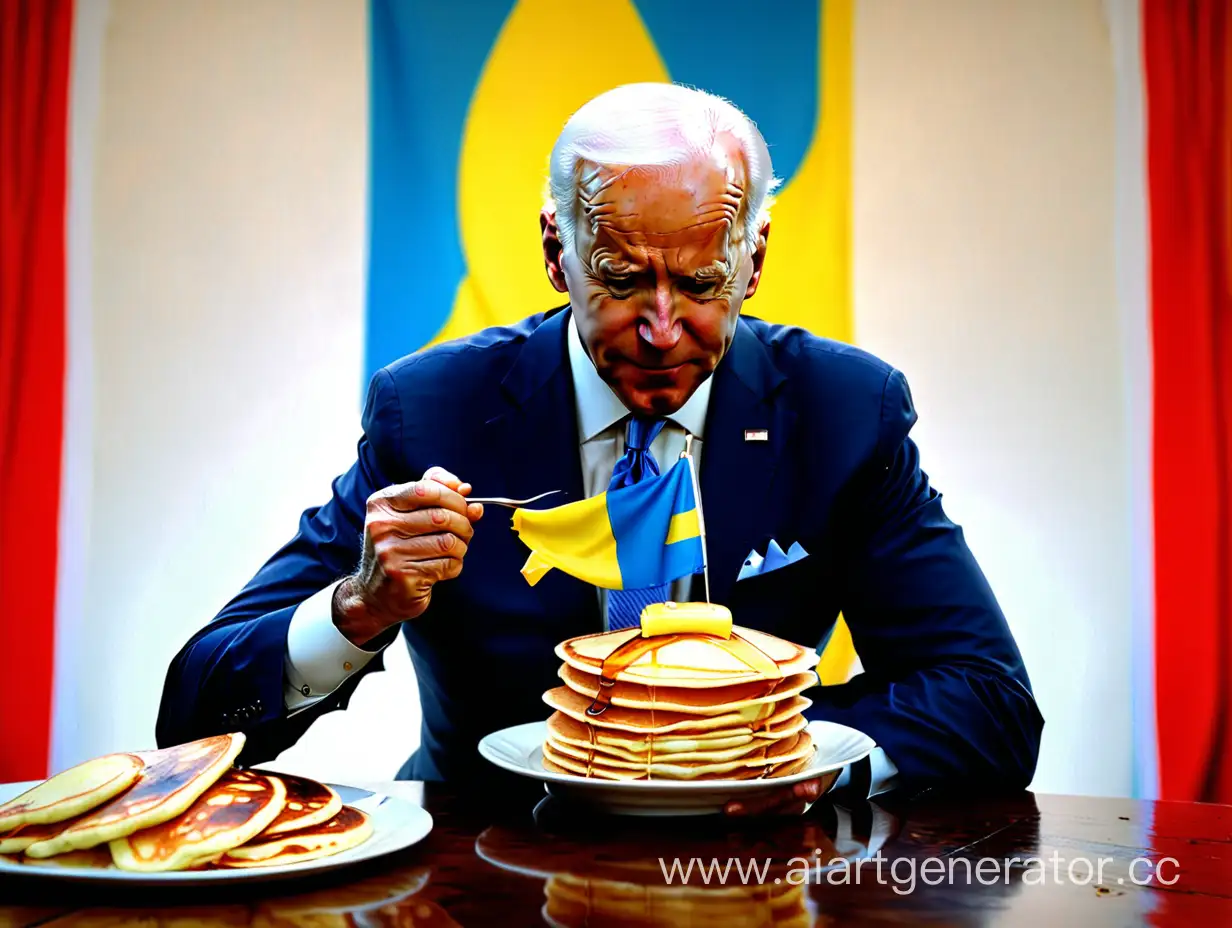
675 618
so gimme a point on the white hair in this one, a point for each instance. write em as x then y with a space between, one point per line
655 124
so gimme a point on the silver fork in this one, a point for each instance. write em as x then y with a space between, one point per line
511 503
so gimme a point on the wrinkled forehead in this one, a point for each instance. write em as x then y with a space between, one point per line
690 209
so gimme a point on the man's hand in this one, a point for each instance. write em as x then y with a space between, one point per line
415 535
790 800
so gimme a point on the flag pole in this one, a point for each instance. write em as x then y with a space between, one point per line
697 498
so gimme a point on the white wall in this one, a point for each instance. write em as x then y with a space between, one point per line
228 275
228 281
983 225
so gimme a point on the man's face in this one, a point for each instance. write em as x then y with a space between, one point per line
658 273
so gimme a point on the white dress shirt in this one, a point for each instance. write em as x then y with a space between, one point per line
602 422
319 658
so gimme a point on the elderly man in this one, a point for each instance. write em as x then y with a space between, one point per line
657 231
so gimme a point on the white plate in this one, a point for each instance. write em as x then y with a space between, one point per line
520 750
396 823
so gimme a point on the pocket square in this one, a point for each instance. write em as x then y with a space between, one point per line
755 565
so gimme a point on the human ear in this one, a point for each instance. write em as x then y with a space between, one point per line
553 250
759 258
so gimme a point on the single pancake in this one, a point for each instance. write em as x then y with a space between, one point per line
17 840
308 803
96 858
695 701
687 659
349 828
72 792
802 763
171 779
235 809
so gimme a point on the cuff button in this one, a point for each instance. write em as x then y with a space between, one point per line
346 665
305 690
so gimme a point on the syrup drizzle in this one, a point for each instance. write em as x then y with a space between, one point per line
636 647
616 662
761 724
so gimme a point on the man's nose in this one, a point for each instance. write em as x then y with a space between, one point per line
660 329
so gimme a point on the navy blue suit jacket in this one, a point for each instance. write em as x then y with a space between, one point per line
943 691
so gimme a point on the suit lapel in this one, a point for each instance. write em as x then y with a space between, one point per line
537 439
738 475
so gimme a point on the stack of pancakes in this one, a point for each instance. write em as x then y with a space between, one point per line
177 808
683 705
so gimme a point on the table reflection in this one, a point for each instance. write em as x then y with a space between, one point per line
390 900
383 902
514 859
602 870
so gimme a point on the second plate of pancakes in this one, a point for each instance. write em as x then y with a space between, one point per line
519 749
389 824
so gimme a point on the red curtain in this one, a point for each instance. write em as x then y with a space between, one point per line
1187 56
35 46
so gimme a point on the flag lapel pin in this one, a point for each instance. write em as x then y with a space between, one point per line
756 434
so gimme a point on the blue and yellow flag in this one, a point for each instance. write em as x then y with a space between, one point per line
633 538
468 98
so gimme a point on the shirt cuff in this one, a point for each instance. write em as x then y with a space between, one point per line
319 658
883 775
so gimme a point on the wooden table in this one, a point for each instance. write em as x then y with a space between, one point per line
510 856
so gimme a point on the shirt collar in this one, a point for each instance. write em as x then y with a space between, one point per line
598 408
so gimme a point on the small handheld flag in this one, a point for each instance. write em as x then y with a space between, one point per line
632 538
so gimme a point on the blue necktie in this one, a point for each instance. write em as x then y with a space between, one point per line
624 607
